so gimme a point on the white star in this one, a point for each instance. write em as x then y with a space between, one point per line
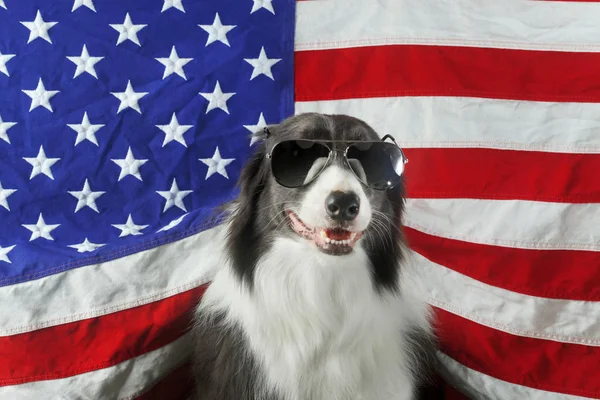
4 194
174 64
87 3
217 99
262 65
4 127
174 131
40 229
266 4
128 30
129 98
2 4
85 130
41 164
4 58
86 197
172 224
129 165
216 164
86 246
217 31
39 28
40 96
130 228
260 125
173 4
85 63
174 196
5 250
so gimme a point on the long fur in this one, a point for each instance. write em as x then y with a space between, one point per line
284 321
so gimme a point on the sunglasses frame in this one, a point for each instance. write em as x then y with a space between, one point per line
269 156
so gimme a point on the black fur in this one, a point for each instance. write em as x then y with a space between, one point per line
386 258
223 367
424 361
245 243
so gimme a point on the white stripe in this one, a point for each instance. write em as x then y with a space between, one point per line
509 223
120 284
566 321
531 25
484 387
475 122
126 380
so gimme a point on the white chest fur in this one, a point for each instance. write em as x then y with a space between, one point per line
318 326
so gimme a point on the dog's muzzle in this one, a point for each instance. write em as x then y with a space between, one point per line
333 240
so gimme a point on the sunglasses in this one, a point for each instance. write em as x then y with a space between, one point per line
377 164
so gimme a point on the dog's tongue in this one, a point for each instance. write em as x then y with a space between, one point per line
338 234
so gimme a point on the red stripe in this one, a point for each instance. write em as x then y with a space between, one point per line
96 343
503 174
560 274
540 364
420 70
177 385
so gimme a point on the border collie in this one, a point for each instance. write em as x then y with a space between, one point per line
312 303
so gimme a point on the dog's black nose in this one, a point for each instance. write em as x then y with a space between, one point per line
342 206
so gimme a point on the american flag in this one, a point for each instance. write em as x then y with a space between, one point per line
495 104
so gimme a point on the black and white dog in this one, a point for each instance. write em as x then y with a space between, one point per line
312 303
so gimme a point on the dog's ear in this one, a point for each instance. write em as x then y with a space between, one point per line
243 239
253 177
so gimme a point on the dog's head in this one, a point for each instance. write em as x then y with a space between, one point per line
310 180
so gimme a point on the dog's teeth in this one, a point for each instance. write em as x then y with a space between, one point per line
324 234
327 240
352 236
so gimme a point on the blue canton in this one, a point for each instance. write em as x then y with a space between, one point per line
123 124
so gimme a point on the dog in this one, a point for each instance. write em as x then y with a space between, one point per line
311 303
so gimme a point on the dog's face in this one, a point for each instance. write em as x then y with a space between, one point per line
332 210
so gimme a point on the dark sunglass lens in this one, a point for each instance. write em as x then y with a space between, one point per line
379 165
297 162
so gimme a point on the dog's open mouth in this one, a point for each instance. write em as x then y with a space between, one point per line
334 241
